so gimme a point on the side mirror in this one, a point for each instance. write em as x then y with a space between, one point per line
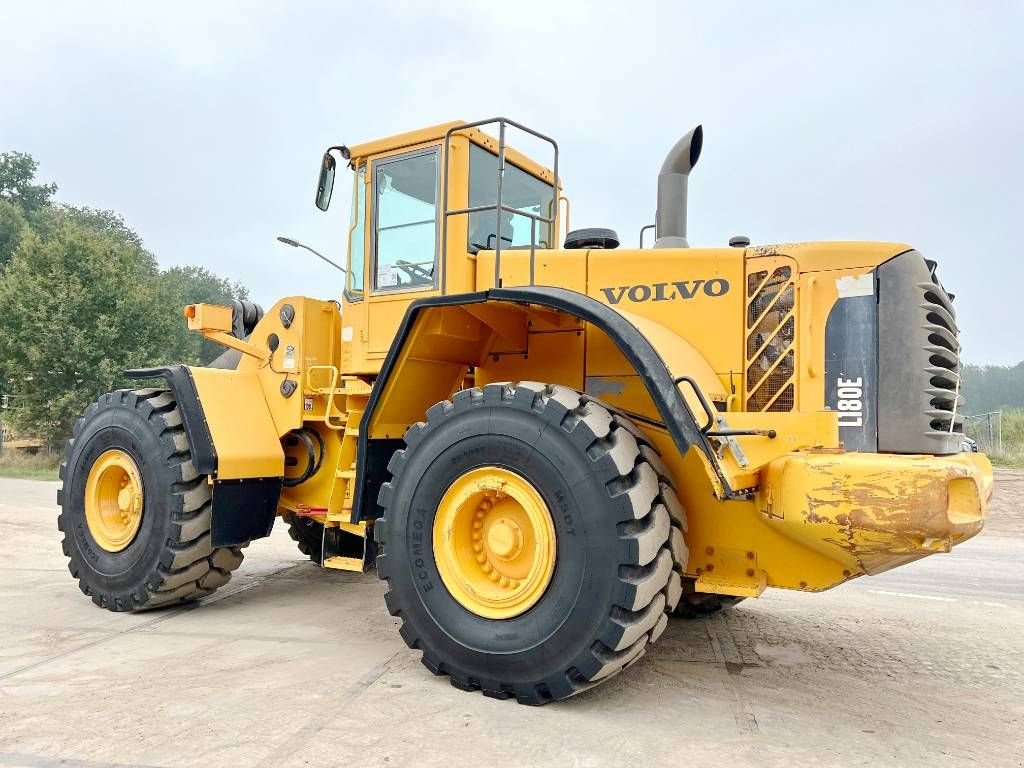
325 185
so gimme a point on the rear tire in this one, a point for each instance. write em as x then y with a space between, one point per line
690 604
307 533
695 605
614 578
170 559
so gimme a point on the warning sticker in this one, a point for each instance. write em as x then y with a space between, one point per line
386 276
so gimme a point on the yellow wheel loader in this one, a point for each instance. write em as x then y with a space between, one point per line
547 445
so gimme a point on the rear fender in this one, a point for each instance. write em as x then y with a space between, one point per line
442 337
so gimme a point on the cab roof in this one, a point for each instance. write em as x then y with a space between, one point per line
437 133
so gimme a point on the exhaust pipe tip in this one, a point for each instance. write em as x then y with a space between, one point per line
685 154
673 178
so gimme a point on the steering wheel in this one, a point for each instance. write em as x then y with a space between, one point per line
417 274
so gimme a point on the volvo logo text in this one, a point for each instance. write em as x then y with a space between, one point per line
681 289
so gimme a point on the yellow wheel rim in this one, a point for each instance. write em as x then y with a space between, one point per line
494 543
113 500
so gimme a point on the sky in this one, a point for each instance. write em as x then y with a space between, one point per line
202 123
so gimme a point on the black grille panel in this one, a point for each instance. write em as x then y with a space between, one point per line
920 404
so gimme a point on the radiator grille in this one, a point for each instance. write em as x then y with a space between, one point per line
943 348
771 334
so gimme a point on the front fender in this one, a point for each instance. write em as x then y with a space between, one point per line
226 417
233 442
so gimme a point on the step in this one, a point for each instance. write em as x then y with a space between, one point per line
339 563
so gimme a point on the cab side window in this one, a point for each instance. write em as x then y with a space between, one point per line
405 214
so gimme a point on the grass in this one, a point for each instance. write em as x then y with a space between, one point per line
1013 460
24 466
1012 454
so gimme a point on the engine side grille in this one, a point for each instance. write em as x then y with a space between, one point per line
920 403
771 336
943 347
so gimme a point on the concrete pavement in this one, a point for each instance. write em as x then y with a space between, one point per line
290 665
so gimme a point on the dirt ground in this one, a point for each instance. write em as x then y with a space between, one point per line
1006 516
290 665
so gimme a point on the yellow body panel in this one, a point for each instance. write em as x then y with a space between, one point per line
244 435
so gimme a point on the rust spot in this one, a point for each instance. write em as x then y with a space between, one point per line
711 567
750 572
710 551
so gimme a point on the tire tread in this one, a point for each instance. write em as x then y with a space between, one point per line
649 570
189 566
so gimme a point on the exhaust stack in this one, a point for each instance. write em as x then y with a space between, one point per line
672 181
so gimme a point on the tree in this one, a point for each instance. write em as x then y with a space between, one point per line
78 311
82 300
993 387
12 228
17 177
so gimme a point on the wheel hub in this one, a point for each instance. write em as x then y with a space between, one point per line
494 542
505 539
114 500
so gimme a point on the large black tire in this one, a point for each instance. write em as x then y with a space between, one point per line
614 580
171 558
692 604
307 533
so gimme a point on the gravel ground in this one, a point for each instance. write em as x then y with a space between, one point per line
290 665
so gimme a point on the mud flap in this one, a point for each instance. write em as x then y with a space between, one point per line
243 510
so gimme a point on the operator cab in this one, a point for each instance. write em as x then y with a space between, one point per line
408 207
411 205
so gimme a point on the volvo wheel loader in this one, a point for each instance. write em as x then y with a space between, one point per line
548 446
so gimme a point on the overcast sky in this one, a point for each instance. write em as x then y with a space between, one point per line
202 123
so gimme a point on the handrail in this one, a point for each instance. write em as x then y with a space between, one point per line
498 205
329 407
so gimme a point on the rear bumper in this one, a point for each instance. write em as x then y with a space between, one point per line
871 512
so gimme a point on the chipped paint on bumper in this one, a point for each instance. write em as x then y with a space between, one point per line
872 512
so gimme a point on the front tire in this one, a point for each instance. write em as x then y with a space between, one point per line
134 511
614 576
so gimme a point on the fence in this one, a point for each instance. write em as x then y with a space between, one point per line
987 430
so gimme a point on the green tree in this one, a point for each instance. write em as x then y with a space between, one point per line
82 301
993 387
78 311
12 228
17 182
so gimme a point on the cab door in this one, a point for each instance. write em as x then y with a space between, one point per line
403 241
